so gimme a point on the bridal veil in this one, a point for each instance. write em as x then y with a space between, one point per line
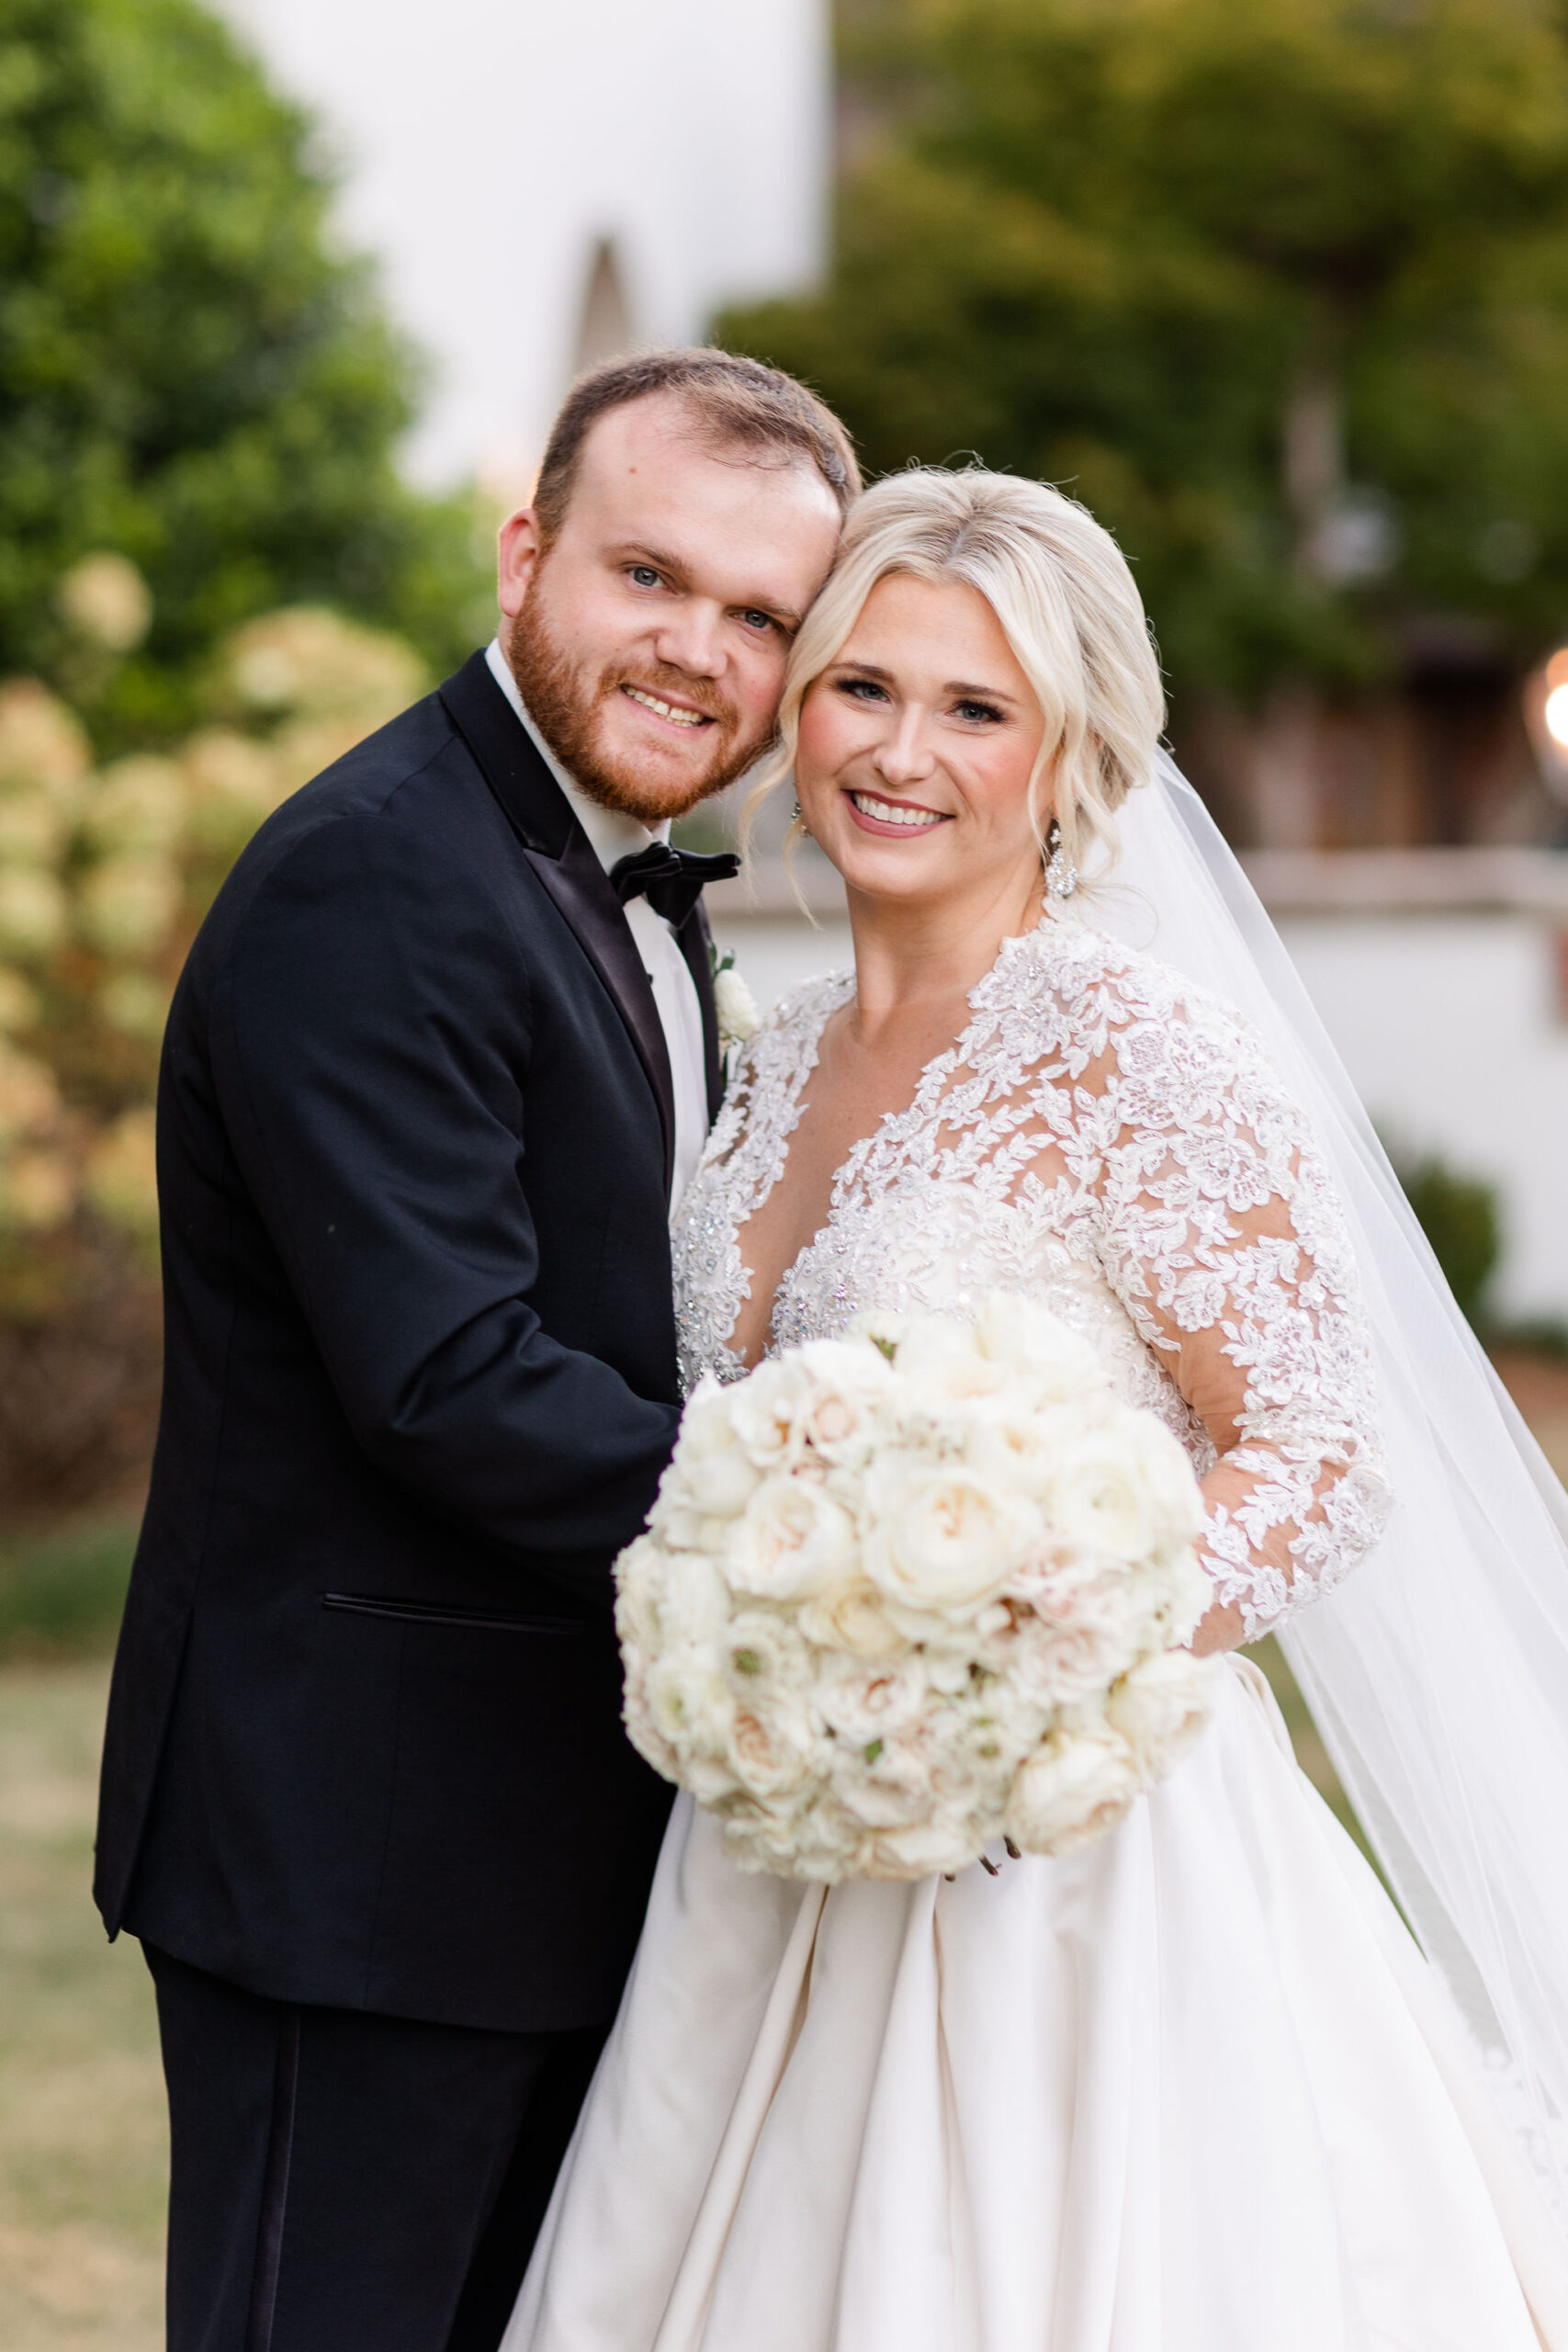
1437 1673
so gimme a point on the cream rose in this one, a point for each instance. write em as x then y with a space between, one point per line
1038 1347
852 1616
870 1700
711 1469
943 1538
770 1749
793 1540
1162 1706
1097 1498
1072 1789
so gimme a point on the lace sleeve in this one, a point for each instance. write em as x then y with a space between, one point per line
1223 1240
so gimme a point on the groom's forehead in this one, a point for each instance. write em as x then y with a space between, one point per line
651 470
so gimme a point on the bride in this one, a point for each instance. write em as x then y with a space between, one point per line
1193 2088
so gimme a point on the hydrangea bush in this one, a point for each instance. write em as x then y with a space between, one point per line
106 871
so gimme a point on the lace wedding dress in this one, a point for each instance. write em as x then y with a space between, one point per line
1191 2089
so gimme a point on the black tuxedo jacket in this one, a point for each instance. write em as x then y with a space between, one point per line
415 1129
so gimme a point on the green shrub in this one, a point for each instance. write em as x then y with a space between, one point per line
1460 1218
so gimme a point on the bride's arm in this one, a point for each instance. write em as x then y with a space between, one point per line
1225 1242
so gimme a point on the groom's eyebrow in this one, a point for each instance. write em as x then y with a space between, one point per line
639 552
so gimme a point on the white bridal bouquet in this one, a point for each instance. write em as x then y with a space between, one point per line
912 1590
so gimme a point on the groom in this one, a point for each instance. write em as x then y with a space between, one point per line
441 1054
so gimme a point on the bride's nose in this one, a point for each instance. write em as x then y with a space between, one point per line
904 756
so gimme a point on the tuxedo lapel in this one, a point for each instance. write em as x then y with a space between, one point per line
696 941
561 855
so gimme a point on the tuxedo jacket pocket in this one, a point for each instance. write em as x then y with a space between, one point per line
427 1612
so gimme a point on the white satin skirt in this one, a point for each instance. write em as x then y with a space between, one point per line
1191 2091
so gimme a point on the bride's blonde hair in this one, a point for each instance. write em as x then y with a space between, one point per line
1060 587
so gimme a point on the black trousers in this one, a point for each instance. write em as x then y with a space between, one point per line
343 2182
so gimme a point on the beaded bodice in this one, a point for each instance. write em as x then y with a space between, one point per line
1112 1142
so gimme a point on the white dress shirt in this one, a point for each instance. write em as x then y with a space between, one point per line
613 837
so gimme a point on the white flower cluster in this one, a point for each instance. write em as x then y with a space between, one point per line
914 1589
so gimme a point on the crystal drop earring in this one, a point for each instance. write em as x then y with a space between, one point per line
1060 874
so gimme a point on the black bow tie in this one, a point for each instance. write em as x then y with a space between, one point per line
671 880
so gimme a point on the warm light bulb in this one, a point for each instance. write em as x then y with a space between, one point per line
1557 715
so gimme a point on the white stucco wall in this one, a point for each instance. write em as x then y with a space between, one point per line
490 144
1449 1026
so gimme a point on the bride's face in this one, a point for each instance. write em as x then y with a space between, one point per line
917 746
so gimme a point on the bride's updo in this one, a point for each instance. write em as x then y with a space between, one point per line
1060 587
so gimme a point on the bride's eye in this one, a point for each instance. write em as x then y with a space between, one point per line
981 713
862 689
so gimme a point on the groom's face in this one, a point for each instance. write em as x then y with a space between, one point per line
649 636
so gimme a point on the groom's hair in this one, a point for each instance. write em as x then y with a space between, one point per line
734 404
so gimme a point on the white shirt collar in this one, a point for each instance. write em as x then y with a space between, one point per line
612 835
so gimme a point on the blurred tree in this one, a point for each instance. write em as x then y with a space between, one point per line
190 374
1282 293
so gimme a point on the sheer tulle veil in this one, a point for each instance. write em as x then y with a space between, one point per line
1437 1673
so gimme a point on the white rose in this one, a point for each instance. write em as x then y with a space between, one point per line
1059 1665
765 1409
867 1701
946 1842
711 1466
1028 1340
689 1700
850 1616
792 1539
882 1783
1075 1786
638 1572
690 1596
736 1007
1161 1706
837 1414
680 1526
771 1749
1096 1499
943 1355
1174 1498
944 1538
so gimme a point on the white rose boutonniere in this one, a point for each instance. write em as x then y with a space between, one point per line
738 1019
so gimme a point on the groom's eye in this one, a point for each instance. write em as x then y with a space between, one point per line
759 620
644 575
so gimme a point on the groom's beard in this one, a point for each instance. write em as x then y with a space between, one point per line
567 706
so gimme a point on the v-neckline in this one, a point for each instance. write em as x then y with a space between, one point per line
839 991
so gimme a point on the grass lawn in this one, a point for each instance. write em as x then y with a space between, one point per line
82 2148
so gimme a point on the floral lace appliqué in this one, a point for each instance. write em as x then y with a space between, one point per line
1109 1140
